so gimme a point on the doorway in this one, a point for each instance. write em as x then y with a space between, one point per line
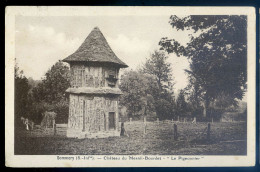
111 120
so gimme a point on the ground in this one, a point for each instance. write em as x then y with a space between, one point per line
227 138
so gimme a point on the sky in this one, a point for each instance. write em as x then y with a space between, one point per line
41 41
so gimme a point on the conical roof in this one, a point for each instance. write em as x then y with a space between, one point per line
95 49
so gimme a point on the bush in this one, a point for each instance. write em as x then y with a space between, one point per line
36 114
48 118
164 109
198 112
211 113
62 110
242 116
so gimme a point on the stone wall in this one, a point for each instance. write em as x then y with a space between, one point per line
95 110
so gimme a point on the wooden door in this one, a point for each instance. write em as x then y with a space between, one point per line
111 120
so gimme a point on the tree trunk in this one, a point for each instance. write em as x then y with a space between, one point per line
159 84
205 108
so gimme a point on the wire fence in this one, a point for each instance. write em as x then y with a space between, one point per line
185 130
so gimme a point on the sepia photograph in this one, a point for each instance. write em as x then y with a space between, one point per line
142 86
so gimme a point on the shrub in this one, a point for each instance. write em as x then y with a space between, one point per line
62 110
36 113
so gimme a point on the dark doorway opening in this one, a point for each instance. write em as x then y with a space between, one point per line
112 120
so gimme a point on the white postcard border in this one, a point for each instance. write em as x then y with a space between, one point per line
166 161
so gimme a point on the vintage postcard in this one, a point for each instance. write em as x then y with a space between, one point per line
130 86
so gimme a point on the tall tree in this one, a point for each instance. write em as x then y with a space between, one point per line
137 98
21 94
53 86
182 106
158 66
49 95
218 56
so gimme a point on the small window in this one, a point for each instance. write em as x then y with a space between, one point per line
111 81
112 85
111 76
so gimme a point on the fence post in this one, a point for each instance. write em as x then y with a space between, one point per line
144 128
158 121
130 120
194 120
54 126
144 124
55 129
208 132
212 120
178 119
175 134
53 123
32 125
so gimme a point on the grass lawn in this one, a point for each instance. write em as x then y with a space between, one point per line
226 139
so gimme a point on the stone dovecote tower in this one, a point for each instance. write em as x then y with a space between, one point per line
94 92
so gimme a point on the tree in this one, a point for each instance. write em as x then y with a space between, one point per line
182 106
49 95
218 56
194 99
158 66
22 88
137 89
33 83
53 86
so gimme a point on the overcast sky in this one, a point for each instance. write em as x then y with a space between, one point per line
42 41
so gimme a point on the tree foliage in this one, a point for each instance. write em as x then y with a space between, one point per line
53 86
137 89
150 89
158 66
49 95
218 56
161 70
22 101
181 104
